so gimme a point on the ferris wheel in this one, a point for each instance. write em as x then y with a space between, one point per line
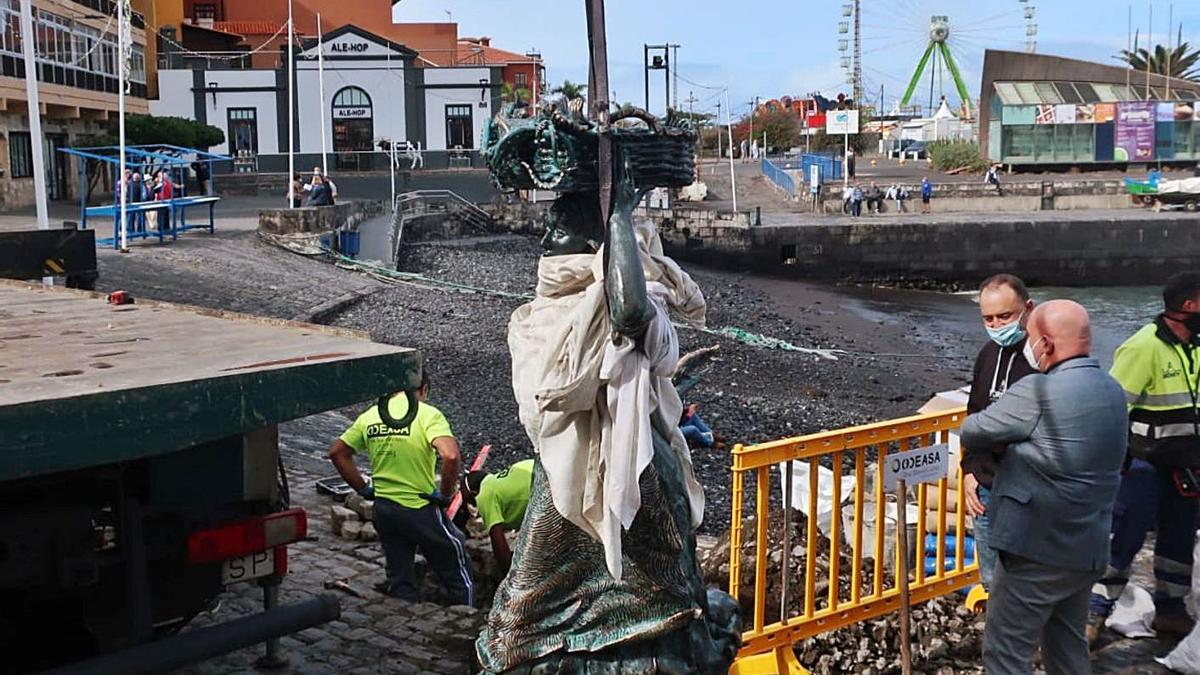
943 39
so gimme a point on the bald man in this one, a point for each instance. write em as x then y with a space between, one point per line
1066 429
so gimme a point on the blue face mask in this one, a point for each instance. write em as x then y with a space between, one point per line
1007 336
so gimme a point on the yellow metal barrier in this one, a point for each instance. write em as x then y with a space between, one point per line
768 647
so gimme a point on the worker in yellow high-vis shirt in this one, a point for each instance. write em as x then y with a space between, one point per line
409 507
501 499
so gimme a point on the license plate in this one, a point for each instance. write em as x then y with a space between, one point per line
248 567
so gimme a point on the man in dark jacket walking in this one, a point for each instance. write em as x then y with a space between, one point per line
1004 304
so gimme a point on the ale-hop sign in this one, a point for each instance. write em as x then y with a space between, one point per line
923 465
352 113
349 47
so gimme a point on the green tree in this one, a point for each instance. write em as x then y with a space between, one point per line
569 91
782 129
511 94
151 130
1181 61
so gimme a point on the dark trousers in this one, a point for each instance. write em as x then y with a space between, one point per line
403 531
856 207
1031 603
1148 500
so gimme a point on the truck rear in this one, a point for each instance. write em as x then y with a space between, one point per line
140 472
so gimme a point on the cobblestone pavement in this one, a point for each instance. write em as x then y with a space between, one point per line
375 634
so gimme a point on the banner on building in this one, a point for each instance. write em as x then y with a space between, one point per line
1135 131
1045 115
1164 111
1064 113
1085 113
1105 112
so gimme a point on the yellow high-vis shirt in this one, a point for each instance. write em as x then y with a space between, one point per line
503 496
404 461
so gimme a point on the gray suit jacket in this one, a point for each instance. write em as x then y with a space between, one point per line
1054 490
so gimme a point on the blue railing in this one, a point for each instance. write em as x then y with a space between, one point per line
779 177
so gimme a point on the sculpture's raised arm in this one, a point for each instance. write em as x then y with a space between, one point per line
629 306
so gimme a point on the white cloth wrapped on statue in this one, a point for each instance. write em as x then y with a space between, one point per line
601 561
586 402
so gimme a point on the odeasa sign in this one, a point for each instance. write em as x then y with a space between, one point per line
923 465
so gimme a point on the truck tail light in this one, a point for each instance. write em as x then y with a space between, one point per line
247 536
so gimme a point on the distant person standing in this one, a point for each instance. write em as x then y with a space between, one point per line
856 201
847 198
850 163
993 178
901 198
745 150
926 194
1159 368
203 178
1065 429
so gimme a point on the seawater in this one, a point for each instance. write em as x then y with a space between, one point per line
947 325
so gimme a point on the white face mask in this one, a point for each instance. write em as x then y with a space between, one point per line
1028 351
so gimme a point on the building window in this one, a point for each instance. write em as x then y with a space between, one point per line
205 10
353 127
20 154
522 80
243 132
10 34
459 133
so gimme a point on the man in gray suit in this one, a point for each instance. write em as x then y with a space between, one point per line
1066 430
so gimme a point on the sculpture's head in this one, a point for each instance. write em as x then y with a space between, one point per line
573 225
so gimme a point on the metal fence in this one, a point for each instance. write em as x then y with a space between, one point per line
852 585
782 179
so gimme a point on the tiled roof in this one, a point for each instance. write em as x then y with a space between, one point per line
249 27
472 53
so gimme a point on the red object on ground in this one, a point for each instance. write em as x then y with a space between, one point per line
120 298
456 501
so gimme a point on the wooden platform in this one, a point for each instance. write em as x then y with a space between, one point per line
84 383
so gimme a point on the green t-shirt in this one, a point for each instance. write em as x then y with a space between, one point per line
402 462
503 496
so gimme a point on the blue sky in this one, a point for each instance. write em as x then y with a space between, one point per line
775 47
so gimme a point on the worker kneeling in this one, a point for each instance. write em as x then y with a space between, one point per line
501 499
409 512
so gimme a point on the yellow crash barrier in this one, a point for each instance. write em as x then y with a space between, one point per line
768 647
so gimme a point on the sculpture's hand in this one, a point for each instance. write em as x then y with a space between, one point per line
625 282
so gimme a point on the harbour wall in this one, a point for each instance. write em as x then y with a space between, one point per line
1057 248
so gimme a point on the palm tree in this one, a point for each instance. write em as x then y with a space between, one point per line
1182 62
569 90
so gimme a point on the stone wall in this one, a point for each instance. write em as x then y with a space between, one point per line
315 219
1116 249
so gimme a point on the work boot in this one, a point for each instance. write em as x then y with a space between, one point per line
1095 627
1173 623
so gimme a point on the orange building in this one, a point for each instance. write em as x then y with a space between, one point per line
518 71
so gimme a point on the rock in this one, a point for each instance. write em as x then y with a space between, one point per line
368 532
339 516
365 508
937 649
351 529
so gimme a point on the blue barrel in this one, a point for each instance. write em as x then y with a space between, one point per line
951 545
349 242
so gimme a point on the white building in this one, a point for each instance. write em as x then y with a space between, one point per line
374 91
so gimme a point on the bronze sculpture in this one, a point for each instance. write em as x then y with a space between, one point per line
604 576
